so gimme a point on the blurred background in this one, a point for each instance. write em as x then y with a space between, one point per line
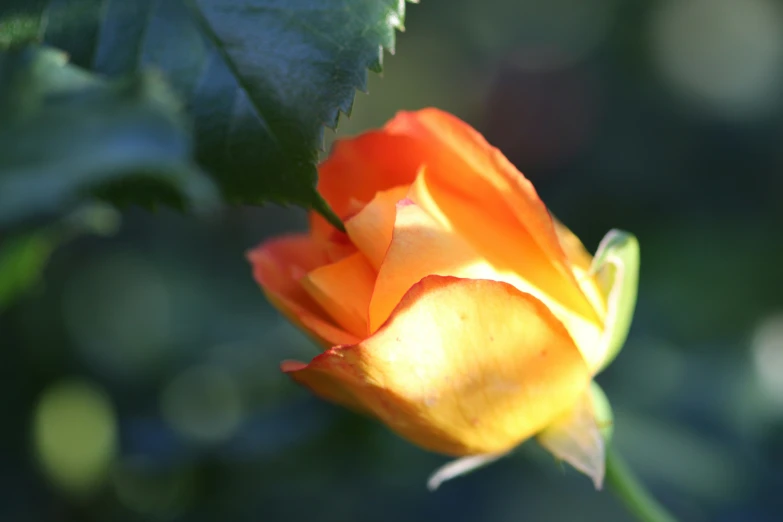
139 380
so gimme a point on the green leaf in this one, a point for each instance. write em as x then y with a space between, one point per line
23 255
262 77
22 259
66 134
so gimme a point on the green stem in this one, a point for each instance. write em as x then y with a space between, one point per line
637 499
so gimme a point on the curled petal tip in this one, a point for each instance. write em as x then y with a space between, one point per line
292 366
459 467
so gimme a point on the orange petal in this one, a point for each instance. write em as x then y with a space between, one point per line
343 289
580 260
358 168
575 437
321 384
337 246
322 331
462 367
278 265
371 228
421 246
490 203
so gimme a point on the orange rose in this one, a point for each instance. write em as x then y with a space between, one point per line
454 309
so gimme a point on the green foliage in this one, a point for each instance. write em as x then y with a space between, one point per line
22 259
66 134
261 77
259 80
23 255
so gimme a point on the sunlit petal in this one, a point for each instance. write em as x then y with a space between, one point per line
462 367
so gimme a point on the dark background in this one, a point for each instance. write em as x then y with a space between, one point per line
139 380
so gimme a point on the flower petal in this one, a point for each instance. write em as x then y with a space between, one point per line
357 168
461 466
462 367
278 265
343 289
572 246
371 228
324 332
322 385
576 438
580 261
419 247
422 246
337 246
513 228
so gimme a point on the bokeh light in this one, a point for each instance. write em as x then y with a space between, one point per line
121 325
726 53
538 35
681 457
203 404
75 435
767 349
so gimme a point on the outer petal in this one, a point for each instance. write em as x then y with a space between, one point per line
513 228
278 265
359 167
322 385
462 367
575 437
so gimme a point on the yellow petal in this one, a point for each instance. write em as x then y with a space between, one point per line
575 437
462 367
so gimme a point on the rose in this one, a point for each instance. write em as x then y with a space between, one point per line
454 309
